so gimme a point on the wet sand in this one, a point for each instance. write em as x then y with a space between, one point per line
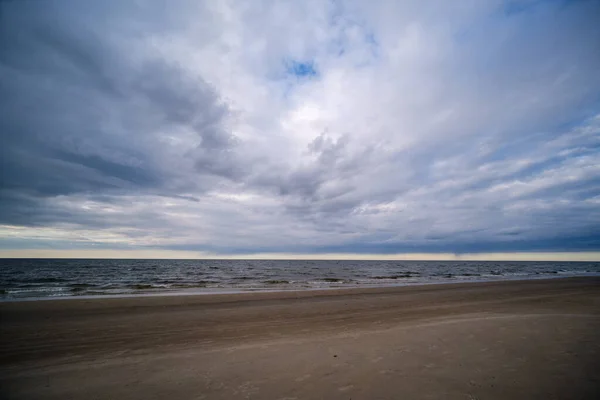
534 339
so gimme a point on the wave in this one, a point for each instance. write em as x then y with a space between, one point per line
143 286
401 276
48 280
39 281
331 280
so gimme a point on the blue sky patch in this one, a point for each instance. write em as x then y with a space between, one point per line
301 69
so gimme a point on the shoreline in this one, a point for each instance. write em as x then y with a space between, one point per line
227 291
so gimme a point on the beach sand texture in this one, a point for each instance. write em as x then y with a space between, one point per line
536 339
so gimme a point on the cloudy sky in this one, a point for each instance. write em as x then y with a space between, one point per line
299 127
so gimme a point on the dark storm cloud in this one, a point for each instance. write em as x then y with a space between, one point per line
333 163
79 114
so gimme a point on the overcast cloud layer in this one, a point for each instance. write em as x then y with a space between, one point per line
301 126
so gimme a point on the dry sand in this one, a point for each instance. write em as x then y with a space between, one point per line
501 340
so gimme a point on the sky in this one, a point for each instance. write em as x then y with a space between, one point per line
300 128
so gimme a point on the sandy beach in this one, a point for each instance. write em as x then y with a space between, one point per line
536 339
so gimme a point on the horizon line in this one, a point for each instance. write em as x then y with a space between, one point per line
589 256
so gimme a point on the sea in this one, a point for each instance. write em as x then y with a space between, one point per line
67 278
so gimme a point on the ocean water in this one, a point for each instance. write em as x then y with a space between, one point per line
43 278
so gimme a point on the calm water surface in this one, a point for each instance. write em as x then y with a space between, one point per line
41 278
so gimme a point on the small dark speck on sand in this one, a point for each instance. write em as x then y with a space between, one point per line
335 355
